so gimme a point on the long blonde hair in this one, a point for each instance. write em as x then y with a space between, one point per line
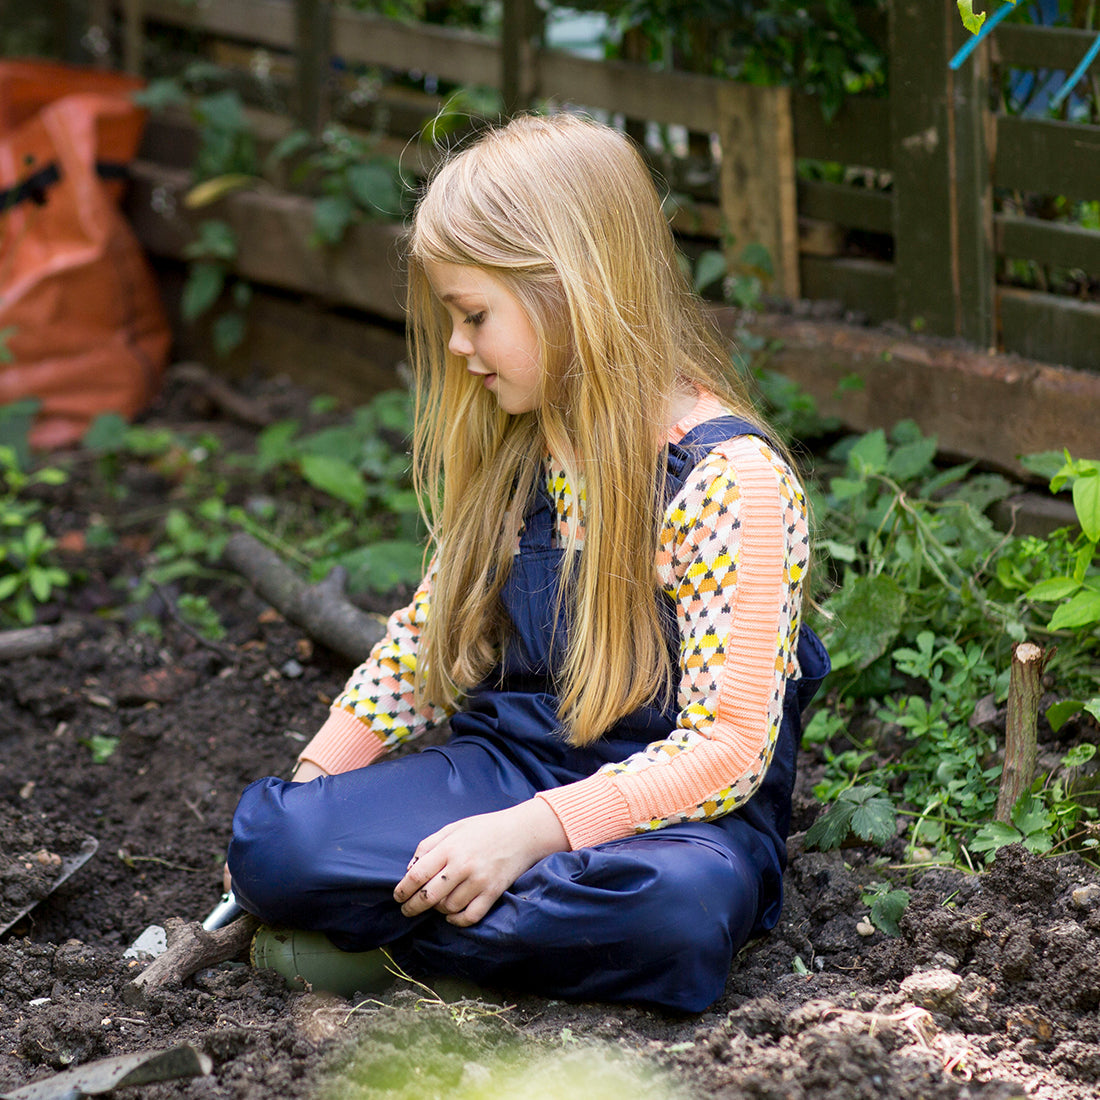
562 211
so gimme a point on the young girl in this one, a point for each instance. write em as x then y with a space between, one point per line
610 621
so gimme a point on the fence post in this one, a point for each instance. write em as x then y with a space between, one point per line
133 36
757 177
314 55
943 220
518 73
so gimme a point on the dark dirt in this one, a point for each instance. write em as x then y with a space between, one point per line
991 990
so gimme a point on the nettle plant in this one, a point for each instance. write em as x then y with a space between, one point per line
929 600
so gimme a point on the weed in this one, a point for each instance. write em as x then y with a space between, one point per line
28 573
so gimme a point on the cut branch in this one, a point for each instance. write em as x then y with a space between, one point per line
190 948
322 610
33 640
1021 726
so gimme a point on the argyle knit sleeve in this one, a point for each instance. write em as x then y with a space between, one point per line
734 549
377 709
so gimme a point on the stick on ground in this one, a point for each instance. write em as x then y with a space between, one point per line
322 610
190 948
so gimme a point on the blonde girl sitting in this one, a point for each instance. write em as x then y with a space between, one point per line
610 621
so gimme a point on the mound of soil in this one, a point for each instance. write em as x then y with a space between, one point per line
991 989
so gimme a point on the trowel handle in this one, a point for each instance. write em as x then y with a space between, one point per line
225 911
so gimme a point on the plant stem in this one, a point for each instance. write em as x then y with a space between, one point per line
1021 733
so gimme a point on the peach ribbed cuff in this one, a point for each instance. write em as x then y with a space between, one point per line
342 744
591 811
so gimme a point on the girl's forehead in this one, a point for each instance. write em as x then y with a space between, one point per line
451 282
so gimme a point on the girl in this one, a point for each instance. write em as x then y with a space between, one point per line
610 622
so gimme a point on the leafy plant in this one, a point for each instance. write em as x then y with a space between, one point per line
28 574
887 903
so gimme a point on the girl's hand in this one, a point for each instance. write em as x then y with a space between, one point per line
463 868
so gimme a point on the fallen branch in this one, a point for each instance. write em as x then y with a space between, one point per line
322 610
32 640
190 949
221 395
1021 726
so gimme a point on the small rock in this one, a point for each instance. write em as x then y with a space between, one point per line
932 988
1085 897
292 669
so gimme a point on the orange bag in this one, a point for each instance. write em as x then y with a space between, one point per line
79 310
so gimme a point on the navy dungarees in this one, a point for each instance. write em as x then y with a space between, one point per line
653 918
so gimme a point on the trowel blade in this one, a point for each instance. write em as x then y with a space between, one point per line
114 1073
69 865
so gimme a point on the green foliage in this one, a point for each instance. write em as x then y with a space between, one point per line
921 603
887 904
864 812
832 49
28 574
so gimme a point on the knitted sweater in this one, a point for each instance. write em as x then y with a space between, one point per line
733 551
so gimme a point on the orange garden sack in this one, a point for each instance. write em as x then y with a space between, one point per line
81 324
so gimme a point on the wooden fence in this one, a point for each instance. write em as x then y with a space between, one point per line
928 175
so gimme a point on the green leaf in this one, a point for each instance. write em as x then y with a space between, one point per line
832 828
1093 707
1043 463
868 614
102 747
332 214
336 477
874 820
972 20
912 459
869 454
383 565
8 585
1053 588
709 268
887 907
1079 754
994 835
1030 816
214 240
1058 714
228 332
107 433
374 187
757 257
204 284
1082 610
1086 502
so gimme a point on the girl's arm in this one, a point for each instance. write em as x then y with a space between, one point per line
377 709
735 548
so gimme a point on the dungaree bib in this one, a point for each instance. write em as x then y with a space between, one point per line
654 918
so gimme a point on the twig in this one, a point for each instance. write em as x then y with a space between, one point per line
321 610
190 948
1021 726
31 641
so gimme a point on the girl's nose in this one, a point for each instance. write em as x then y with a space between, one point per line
459 343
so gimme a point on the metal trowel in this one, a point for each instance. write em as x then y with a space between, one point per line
69 865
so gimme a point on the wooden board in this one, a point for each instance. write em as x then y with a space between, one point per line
756 181
1053 329
1048 157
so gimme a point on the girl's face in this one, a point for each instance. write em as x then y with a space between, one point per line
490 329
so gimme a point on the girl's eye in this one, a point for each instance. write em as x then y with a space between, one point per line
475 318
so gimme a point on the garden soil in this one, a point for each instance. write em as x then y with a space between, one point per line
991 989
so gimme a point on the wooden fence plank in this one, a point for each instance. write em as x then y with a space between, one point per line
269 23
756 183
314 53
865 286
852 207
631 89
1048 157
1048 242
1051 328
859 134
1026 47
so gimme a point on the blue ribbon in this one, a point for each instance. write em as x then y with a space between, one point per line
1077 73
957 61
